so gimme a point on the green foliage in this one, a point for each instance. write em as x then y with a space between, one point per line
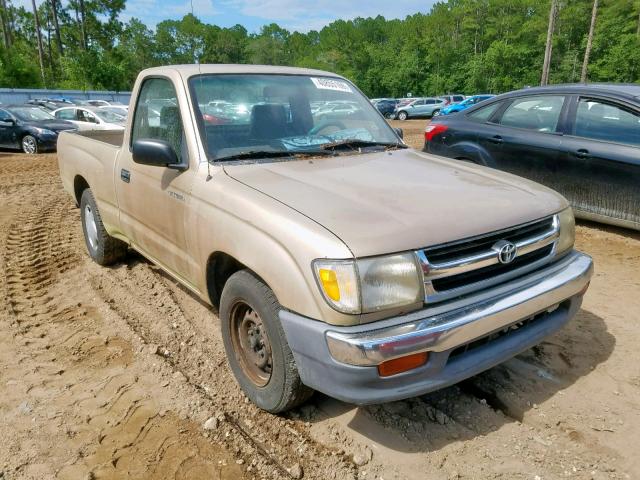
465 46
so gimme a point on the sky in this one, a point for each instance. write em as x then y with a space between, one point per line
299 15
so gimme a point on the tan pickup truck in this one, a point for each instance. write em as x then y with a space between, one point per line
339 259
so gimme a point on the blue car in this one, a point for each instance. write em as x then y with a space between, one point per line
469 102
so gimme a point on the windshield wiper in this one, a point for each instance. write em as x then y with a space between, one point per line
258 154
355 143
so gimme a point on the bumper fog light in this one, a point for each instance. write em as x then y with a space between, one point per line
402 364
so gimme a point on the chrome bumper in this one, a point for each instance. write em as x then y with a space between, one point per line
537 293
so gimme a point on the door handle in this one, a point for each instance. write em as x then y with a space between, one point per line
582 153
125 175
497 139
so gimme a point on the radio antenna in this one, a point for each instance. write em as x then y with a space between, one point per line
197 60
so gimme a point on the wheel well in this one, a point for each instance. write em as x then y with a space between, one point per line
79 186
220 267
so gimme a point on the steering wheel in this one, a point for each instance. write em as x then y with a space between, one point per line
330 123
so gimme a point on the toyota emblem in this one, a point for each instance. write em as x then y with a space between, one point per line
506 251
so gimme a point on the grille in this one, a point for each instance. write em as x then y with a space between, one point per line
457 281
462 267
475 246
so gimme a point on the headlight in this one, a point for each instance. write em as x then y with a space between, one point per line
45 131
370 284
567 231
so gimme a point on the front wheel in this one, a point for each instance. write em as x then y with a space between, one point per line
29 144
256 346
403 116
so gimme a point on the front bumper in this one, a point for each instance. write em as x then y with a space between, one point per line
342 361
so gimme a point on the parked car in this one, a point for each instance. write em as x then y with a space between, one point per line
47 103
421 107
463 105
339 259
387 107
91 118
452 99
121 110
98 103
581 140
30 128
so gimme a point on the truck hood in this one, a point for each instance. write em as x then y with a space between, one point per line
400 200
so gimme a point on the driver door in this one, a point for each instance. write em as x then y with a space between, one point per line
155 201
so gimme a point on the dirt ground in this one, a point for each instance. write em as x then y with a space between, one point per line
111 373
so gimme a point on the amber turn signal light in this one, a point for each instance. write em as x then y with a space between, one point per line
402 364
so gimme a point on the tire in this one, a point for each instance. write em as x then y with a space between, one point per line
256 346
103 248
403 116
29 144
435 113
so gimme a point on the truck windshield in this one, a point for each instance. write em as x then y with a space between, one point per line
279 114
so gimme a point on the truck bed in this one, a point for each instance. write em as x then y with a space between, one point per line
112 137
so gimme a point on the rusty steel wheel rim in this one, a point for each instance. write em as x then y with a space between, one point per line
251 344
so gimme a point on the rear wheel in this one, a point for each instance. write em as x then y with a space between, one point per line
256 346
103 248
29 144
436 112
403 116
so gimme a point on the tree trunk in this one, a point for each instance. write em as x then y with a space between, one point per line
56 26
83 26
49 51
39 38
587 52
4 21
547 51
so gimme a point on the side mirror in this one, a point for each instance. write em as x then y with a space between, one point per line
399 132
157 153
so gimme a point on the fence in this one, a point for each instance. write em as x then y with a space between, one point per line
22 95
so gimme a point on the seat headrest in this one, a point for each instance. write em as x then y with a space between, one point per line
268 121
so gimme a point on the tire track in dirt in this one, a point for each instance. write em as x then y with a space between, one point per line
191 345
117 428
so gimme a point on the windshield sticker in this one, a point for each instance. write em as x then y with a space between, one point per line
331 84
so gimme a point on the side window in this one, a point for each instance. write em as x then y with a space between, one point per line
540 113
606 121
85 116
68 114
431 101
4 116
483 114
157 114
418 102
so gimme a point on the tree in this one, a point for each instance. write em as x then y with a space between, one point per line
587 52
549 45
39 38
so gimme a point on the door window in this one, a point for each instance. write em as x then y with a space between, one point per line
599 120
5 116
431 101
483 114
157 114
84 116
68 114
540 113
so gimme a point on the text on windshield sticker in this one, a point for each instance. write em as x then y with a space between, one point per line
331 84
